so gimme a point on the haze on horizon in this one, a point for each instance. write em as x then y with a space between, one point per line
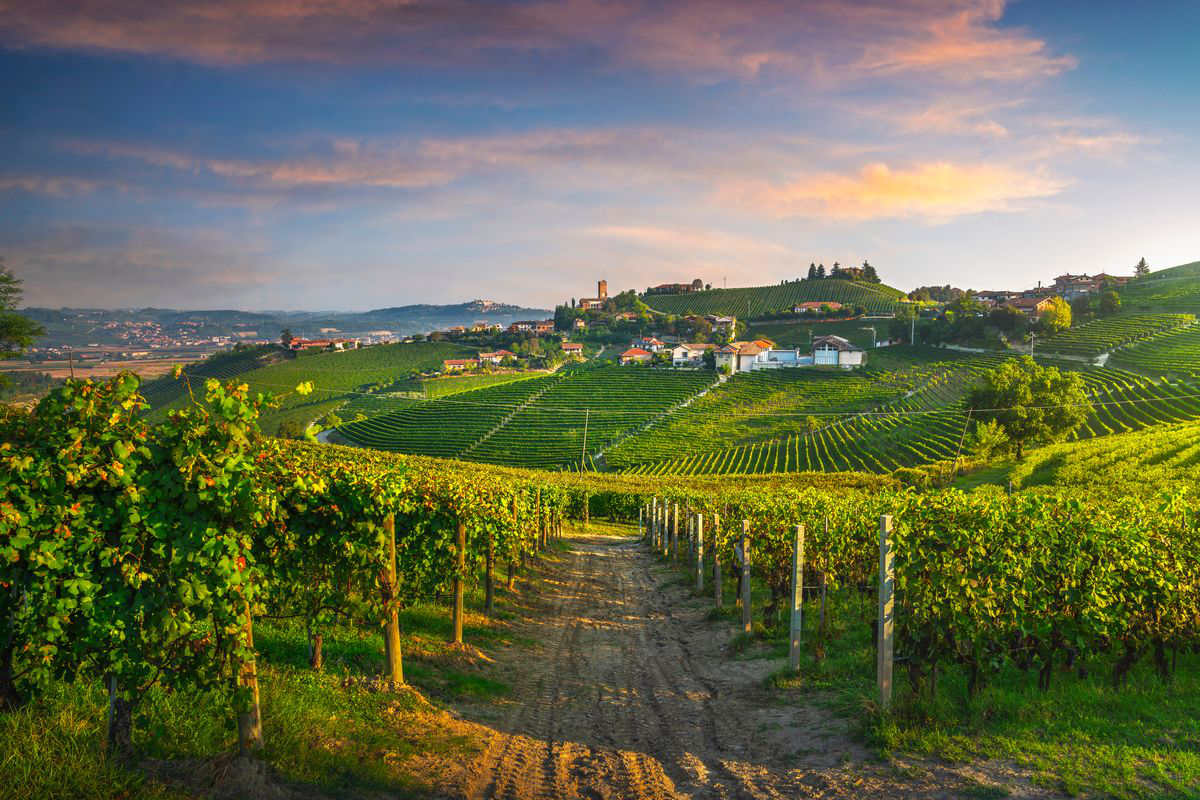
301 155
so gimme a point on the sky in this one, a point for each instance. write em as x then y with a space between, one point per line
313 154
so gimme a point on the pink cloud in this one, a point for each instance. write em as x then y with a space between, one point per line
934 192
820 40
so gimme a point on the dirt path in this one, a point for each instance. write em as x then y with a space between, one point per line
629 695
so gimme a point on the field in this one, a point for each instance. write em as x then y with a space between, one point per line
1175 290
759 301
537 422
1093 338
1177 352
337 377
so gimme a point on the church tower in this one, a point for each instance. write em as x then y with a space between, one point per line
602 289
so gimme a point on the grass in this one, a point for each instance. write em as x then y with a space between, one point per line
331 731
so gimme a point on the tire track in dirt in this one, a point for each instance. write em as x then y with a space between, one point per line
630 693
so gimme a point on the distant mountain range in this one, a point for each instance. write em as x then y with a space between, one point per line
80 327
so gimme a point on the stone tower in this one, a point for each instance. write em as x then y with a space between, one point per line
602 289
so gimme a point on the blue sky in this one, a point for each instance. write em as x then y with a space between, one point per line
358 154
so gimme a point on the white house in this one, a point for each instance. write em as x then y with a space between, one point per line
689 355
834 351
652 344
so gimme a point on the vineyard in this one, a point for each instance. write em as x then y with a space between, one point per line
1168 290
926 426
144 557
760 301
533 423
1093 338
1175 352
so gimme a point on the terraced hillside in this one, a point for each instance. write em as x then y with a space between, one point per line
1176 289
222 366
337 377
928 426
766 405
747 303
538 422
1093 338
1177 352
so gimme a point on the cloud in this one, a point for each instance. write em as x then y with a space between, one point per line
124 266
934 192
820 40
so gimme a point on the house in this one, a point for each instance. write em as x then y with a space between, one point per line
738 356
325 344
1030 306
625 316
690 355
545 326
496 356
579 324
815 306
597 302
636 355
459 364
457 330
835 351
726 324
521 326
573 348
651 344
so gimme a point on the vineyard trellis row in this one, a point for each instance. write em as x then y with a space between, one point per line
981 580
140 555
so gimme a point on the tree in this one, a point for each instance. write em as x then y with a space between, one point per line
1141 269
16 331
1110 302
286 338
987 438
1031 403
1081 306
820 271
812 271
709 358
1057 317
869 273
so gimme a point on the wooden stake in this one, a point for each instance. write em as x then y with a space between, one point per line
460 566
489 587
699 525
675 534
797 622
250 733
886 639
747 625
389 584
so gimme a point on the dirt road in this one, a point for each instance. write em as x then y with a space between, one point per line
630 695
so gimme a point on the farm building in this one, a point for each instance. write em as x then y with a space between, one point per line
636 355
814 306
572 348
459 364
1031 306
496 356
836 351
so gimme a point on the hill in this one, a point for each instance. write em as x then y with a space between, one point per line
760 301
1176 289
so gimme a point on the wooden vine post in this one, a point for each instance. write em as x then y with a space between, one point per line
587 509
641 515
747 625
675 534
460 567
512 566
699 525
250 733
389 587
797 621
665 542
887 621
489 587
718 586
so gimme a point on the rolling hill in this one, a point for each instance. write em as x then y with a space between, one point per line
760 301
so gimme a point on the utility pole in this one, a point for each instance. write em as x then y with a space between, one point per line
870 328
1032 339
587 413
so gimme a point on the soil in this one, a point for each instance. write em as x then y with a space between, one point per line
630 692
